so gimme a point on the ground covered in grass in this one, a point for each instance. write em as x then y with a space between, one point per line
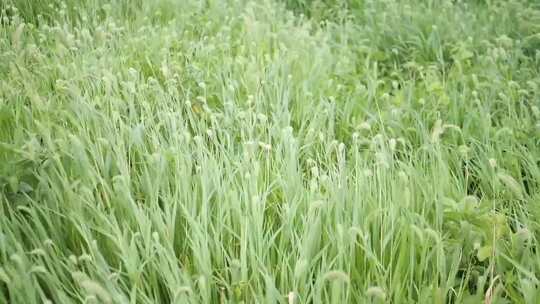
269 152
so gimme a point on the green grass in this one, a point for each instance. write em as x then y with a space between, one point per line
269 152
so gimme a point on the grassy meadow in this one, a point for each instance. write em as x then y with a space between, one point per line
272 151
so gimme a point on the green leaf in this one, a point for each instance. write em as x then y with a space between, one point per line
484 253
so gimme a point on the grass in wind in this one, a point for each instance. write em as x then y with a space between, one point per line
269 151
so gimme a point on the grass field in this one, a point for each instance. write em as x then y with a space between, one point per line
345 151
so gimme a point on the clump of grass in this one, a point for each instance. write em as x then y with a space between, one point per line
267 151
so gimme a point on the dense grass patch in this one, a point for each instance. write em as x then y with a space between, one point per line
269 151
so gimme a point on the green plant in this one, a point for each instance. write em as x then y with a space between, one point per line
265 151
